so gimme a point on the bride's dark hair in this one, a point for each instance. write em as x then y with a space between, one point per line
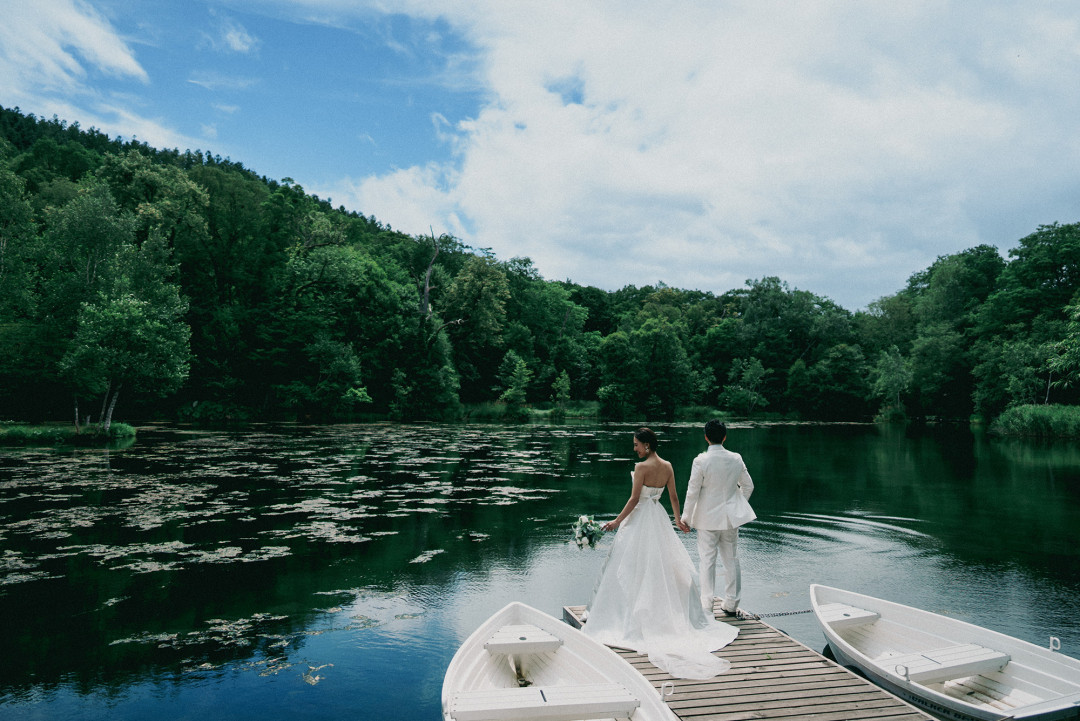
647 437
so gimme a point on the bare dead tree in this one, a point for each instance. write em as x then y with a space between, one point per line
425 298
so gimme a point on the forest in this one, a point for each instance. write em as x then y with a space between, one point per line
160 284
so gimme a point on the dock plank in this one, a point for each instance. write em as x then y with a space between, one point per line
772 676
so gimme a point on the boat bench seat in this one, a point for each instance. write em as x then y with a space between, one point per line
942 664
544 703
841 615
522 639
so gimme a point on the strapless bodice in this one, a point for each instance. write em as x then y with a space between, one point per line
651 494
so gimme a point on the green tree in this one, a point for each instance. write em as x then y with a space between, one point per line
233 279
516 377
890 379
947 298
1065 361
712 352
343 311
18 248
743 390
88 245
780 325
424 384
598 305
802 394
476 305
888 321
621 377
84 241
22 340
132 336
123 342
164 200
1018 371
941 371
1025 318
332 384
544 325
1038 283
49 160
840 377
1028 371
668 382
560 394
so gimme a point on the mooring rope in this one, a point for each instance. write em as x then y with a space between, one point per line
756 616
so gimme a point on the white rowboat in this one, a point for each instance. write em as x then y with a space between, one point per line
953 669
524 664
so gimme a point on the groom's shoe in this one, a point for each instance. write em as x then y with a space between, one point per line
729 613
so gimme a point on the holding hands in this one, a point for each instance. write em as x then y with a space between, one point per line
683 526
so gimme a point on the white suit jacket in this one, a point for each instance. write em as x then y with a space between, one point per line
717 498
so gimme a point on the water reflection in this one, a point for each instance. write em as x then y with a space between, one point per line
316 571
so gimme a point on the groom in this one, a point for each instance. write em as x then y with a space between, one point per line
717 503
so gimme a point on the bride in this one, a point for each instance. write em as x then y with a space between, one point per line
647 597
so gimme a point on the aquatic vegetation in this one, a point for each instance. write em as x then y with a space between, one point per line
249 518
310 676
12 434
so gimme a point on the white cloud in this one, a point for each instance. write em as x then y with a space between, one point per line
153 131
50 51
230 36
51 45
213 81
840 145
417 194
239 40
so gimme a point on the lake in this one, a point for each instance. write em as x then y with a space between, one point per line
329 572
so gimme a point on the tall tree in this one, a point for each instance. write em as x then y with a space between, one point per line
840 377
21 337
476 303
891 378
668 380
947 300
743 390
622 377
112 306
1040 280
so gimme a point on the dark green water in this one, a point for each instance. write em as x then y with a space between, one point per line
331 572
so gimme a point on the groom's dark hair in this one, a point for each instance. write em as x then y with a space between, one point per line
715 431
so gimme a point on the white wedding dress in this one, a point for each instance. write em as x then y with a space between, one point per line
647 597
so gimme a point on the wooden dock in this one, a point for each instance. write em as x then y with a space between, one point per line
772 676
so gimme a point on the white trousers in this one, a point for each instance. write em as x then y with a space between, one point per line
724 544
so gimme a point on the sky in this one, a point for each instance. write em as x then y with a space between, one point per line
840 146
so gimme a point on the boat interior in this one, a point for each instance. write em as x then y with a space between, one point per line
985 677
527 673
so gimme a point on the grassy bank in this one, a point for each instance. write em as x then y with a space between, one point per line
1048 421
540 413
576 410
63 434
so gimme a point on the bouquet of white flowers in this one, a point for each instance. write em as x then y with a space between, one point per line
587 530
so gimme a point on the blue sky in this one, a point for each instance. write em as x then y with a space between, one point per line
841 146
